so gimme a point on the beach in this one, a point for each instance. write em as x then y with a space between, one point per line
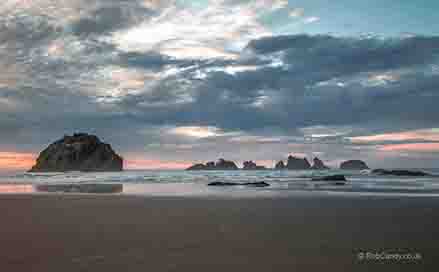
312 232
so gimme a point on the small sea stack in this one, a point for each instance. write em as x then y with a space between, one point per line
280 165
295 163
250 165
221 164
318 164
80 152
354 165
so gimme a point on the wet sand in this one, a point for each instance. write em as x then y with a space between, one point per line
59 232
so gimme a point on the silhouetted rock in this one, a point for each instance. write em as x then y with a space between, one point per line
250 165
253 184
330 178
221 164
353 165
80 152
280 165
198 166
318 164
410 173
295 163
210 165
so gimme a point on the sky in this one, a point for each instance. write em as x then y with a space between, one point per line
175 82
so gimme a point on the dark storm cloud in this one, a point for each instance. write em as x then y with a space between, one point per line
368 53
294 97
302 91
111 17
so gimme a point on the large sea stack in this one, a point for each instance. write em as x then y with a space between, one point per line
353 165
80 152
295 163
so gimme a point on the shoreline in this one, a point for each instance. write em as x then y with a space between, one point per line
202 191
76 232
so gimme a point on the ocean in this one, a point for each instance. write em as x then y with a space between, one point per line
195 183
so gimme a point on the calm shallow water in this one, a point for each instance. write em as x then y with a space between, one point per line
181 182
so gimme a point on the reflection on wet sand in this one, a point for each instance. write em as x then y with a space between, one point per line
16 188
92 188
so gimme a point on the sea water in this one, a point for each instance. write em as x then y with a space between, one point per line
180 182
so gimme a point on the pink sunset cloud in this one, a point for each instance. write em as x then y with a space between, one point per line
16 160
150 164
423 134
413 147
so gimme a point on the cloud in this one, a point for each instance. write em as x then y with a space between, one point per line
413 147
216 31
297 12
106 19
215 76
413 135
14 160
310 20
197 132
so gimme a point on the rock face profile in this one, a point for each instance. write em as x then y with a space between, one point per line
280 165
250 165
221 164
318 164
295 163
353 165
80 152
409 173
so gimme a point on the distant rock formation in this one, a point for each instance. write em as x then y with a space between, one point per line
318 164
221 164
353 165
80 152
250 165
280 165
410 173
253 184
295 163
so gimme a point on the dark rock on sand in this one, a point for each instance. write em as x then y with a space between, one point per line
330 178
295 163
253 184
353 165
250 165
221 164
280 165
410 173
80 152
318 164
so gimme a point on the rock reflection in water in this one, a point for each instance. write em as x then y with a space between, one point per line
92 188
